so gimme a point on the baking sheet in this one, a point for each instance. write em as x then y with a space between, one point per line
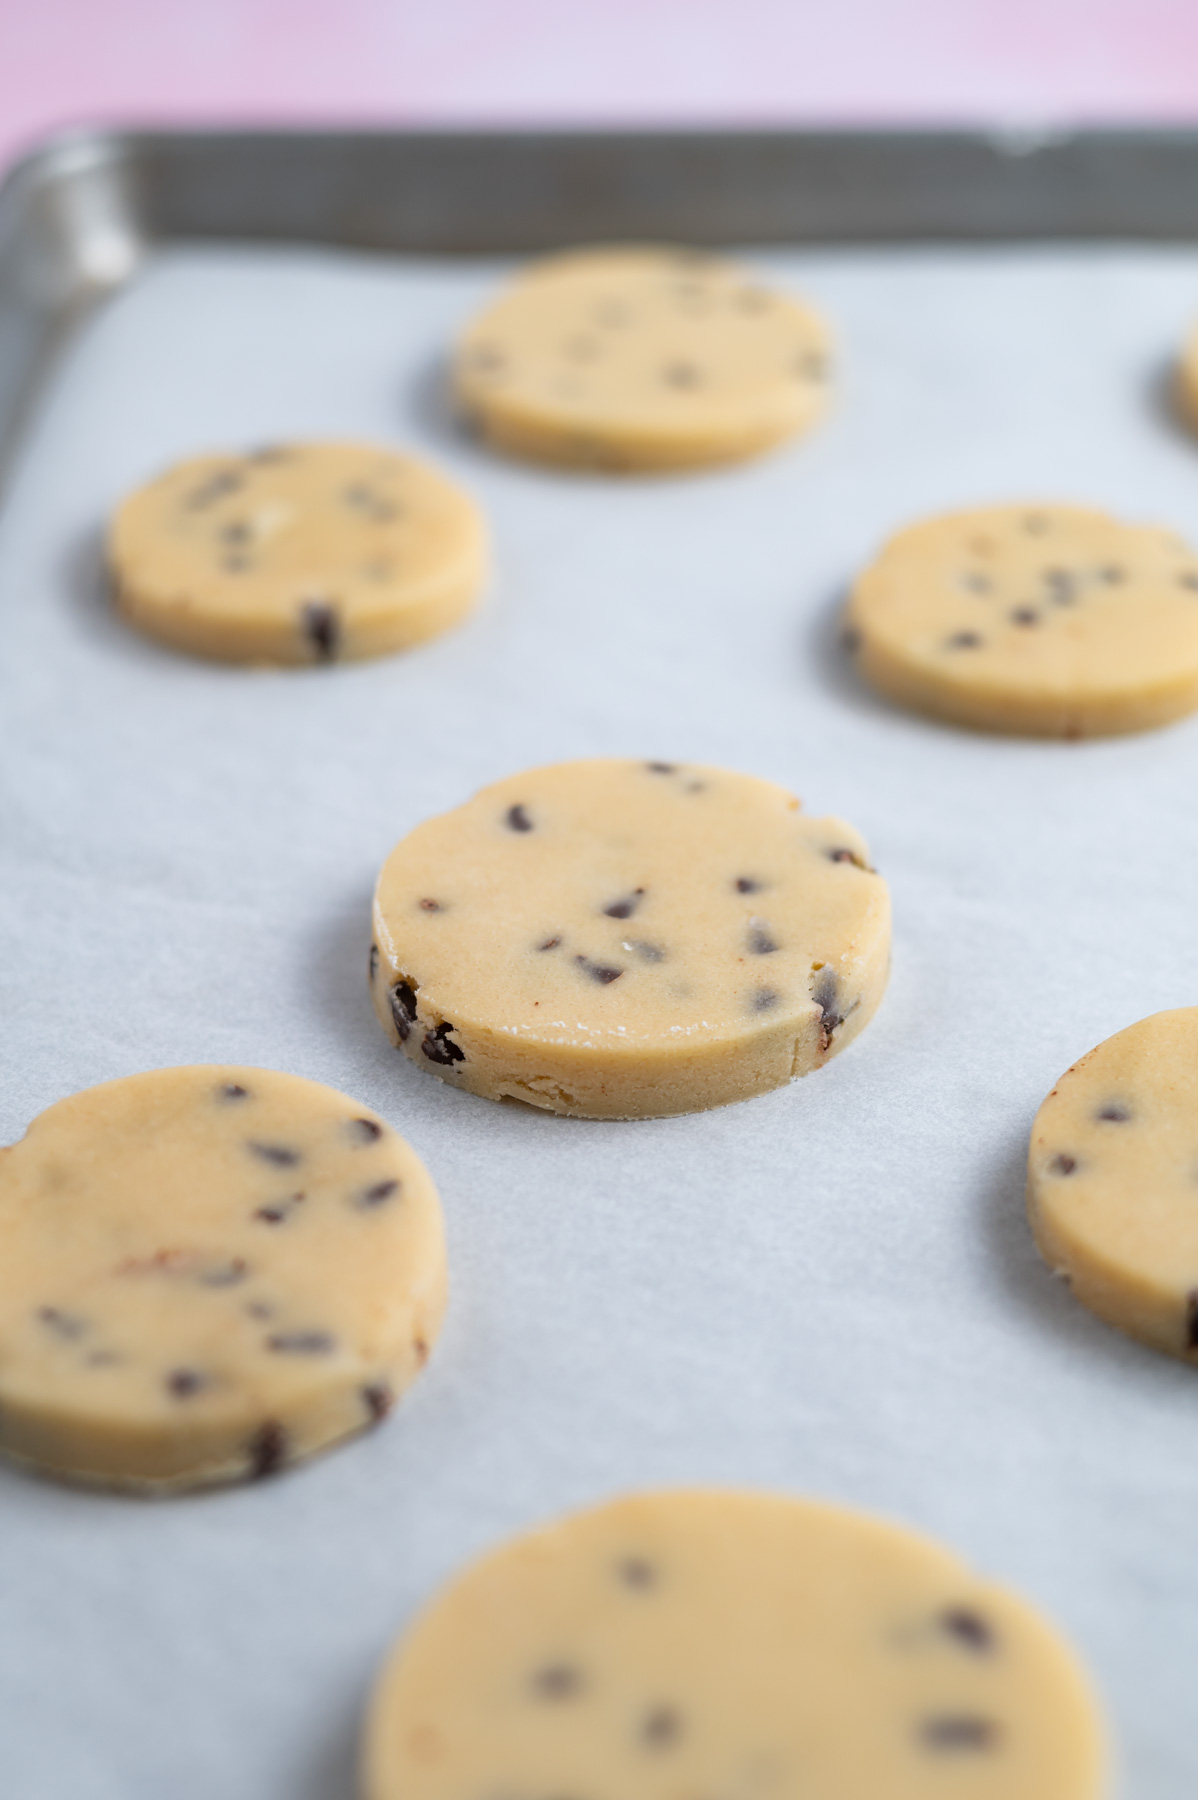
830 1290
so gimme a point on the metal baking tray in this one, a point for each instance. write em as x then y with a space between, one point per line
828 1290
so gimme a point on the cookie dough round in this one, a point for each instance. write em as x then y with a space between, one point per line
617 940
641 359
1113 1181
722 1643
1050 620
300 553
208 1273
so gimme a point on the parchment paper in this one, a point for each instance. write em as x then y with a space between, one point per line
830 1290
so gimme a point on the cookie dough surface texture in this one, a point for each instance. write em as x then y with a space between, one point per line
207 1273
641 359
616 939
300 553
1113 1181
1049 620
727 1644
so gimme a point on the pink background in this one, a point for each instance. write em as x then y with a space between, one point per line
432 61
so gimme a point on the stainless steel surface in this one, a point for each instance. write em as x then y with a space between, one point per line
77 215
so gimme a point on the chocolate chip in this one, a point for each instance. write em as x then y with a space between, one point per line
557 1681
233 564
960 1731
682 375
968 1627
370 501
624 909
1188 578
321 628
1192 1319
259 1309
1115 1112
764 999
233 1090
427 905
652 953
301 1343
976 584
1112 574
280 1155
516 819
378 1399
279 1210
963 640
1063 1165
421 1351
1062 585
229 1274
183 1383
661 1727
374 961
439 1047
549 944
824 994
843 855
745 884
636 1572
63 1324
376 1195
1024 615
366 1131
268 1449
760 942
600 972
403 1009
660 768
237 531
226 481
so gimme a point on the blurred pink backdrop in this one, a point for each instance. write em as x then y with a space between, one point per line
67 62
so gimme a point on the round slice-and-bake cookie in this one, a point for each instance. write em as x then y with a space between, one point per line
208 1273
1113 1181
641 359
1049 620
301 553
730 1644
618 940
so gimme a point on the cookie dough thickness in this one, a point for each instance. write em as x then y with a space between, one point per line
297 553
709 1643
1113 1181
618 940
641 358
1054 621
209 1273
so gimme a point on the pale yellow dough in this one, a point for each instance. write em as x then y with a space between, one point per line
730 1646
298 553
618 940
1050 620
207 1273
1113 1181
629 358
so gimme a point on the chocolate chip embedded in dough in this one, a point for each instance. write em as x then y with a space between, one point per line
637 1572
184 1384
825 993
403 1008
661 1727
661 768
651 953
278 1211
374 961
439 1047
281 1156
764 1000
428 904
842 855
557 1681
967 1732
364 1131
963 640
1024 615
63 1324
268 1449
233 1090
516 819
377 1194
1113 574
603 973
225 481
378 1398
301 1343
322 628
1114 1112
552 943
1063 1164
624 909
760 941
968 1628
745 884
225 1274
